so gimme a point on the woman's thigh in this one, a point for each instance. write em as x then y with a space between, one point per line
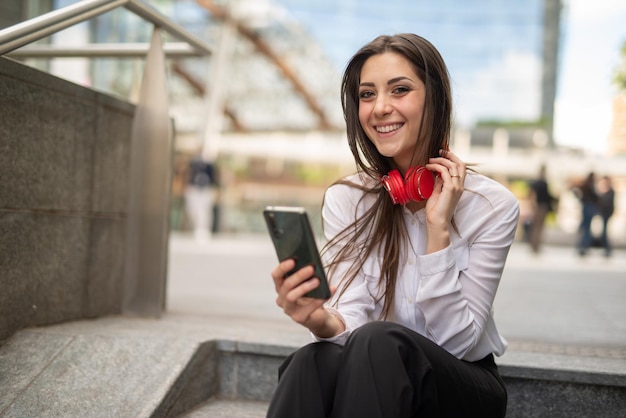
460 388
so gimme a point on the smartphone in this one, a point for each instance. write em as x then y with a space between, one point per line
291 233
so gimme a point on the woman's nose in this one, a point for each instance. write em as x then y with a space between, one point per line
382 106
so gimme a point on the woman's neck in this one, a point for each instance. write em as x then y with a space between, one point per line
415 206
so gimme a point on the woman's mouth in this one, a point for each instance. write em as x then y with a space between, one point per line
388 128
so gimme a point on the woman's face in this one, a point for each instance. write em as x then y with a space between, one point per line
391 104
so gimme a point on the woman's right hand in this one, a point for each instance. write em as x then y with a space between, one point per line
304 310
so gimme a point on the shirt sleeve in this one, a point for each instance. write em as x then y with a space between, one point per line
458 284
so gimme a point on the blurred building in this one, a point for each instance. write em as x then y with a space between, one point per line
497 52
617 136
265 106
287 56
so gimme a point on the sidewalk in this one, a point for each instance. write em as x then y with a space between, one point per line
553 302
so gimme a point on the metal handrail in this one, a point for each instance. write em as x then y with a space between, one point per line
47 24
102 50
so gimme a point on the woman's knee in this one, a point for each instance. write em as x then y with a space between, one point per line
318 349
381 336
383 331
313 355
376 329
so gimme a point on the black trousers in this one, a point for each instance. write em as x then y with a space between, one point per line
386 370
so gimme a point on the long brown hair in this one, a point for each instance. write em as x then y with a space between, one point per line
381 228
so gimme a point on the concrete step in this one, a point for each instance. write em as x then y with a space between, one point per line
45 373
228 408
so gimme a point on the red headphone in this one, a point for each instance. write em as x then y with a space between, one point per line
417 186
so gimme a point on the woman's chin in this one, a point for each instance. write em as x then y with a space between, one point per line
389 152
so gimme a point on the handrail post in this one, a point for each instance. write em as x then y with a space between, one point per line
150 184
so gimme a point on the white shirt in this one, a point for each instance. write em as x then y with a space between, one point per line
446 296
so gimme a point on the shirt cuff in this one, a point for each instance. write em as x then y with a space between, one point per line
339 339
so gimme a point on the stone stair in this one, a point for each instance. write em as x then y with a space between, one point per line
228 408
46 375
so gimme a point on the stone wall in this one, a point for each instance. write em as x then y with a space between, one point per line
64 166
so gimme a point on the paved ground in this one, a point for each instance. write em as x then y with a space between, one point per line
547 306
556 302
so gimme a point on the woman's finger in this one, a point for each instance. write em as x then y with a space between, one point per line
457 162
300 290
290 289
449 167
279 272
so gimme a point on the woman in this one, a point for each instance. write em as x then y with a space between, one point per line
409 329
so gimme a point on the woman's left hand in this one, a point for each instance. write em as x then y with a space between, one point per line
449 185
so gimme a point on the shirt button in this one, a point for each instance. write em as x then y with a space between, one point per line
411 261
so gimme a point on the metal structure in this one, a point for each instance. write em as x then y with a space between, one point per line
263 47
100 50
32 30
278 78
284 81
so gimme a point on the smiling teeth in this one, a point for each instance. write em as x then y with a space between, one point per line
388 128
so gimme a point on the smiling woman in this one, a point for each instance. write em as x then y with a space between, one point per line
409 327
389 85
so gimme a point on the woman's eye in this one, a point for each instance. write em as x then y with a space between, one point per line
364 95
401 90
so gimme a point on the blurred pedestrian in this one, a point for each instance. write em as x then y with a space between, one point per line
588 197
542 205
606 207
199 197
180 177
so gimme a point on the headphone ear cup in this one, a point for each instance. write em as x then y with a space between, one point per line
419 183
394 184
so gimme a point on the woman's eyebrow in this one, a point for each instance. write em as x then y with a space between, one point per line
395 80
392 81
